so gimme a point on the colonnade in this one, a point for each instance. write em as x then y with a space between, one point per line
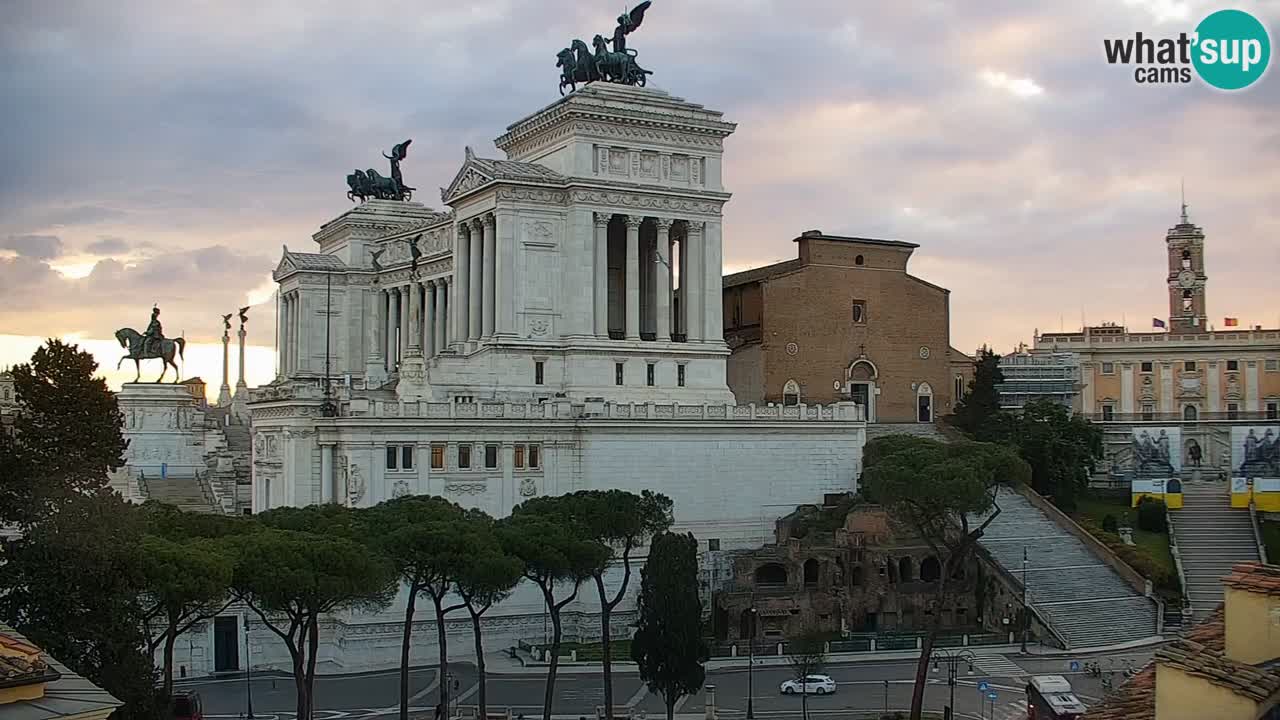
409 318
290 313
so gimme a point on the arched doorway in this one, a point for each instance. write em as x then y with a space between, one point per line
810 572
771 574
930 569
861 376
791 393
1190 412
924 403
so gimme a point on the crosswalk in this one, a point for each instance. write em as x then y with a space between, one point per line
1014 710
999 666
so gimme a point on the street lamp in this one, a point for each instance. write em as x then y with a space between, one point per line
1026 616
751 663
248 670
952 662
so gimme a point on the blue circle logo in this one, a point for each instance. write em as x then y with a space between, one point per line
1232 49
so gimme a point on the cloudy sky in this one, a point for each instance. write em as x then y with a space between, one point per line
161 152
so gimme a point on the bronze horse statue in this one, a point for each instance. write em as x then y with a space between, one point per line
133 341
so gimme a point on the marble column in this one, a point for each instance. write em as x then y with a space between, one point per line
462 284
662 280
475 284
224 392
633 276
373 334
682 324
326 474
280 326
402 317
293 332
601 276
240 381
429 318
442 313
693 292
390 339
489 294
414 324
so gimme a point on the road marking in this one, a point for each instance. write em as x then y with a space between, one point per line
470 691
999 666
435 681
638 696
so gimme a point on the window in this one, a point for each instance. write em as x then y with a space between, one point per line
1147 366
859 261
617 373
713 544
537 372
1187 302
1190 413
1108 413
490 457
1273 411
1233 365
680 375
533 457
392 453
1108 368
464 457
791 393
1272 365
1148 412
1186 259
406 457
649 372
399 457
6 393
860 311
464 399
517 458
1233 411
959 389
437 457
1189 366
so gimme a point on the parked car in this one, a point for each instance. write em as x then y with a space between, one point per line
186 706
809 685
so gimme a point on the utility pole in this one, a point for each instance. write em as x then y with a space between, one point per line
248 670
751 664
952 661
1026 613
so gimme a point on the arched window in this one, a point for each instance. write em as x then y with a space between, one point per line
858 261
771 574
930 569
791 393
959 389
1189 412
1188 300
810 572
1186 259
904 569
857 576
924 403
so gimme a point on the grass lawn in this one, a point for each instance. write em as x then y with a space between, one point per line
1096 507
1271 538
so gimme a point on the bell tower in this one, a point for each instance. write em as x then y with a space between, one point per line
1187 307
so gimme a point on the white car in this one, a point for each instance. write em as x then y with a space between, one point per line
809 685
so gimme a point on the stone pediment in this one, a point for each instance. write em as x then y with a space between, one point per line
292 262
476 172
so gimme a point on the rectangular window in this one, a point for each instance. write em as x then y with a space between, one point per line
1108 413
713 544
1147 366
533 457
617 373
1273 411
517 459
464 457
1233 411
1189 366
1108 368
406 457
1233 365
392 456
1272 364
490 457
680 375
437 457
537 372
860 312
649 373
1148 412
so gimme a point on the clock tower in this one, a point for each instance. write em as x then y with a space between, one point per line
1187 309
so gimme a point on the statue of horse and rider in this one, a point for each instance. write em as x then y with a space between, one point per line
578 64
151 345
366 184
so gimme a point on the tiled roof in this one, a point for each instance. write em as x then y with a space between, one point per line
316 261
760 273
16 669
66 694
515 170
1255 577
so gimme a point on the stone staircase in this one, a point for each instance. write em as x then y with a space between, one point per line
186 493
1085 602
1212 536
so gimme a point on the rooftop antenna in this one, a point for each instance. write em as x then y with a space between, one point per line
1184 202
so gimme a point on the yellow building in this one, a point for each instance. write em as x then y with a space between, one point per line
34 686
1224 668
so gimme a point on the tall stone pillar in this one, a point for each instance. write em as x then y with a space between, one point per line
662 280
600 276
475 284
712 292
240 401
327 494
681 323
389 342
280 326
414 321
693 292
462 284
633 276
429 319
489 292
375 366
224 393
240 381
402 318
442 313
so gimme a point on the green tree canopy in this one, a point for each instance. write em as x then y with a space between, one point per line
1062 449
668 644
485 577
978 412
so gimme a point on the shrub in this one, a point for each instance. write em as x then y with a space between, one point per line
1109 524
1151 515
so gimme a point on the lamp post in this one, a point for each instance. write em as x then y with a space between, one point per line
952 662
248 671
1026 615
751 663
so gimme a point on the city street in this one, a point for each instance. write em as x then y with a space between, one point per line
861 686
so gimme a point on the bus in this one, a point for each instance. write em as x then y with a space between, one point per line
1049 697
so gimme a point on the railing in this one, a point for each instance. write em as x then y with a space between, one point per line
600 410
1178 418
1257 532
1177 562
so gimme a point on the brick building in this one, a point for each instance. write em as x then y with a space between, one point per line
844 321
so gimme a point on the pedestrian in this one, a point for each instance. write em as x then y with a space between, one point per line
439 714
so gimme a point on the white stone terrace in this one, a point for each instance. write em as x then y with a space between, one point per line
846 412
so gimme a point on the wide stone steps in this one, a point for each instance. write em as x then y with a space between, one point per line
184 493
1212 536
1077 592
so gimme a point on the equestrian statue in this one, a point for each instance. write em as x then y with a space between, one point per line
579 64
366 184
151 345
